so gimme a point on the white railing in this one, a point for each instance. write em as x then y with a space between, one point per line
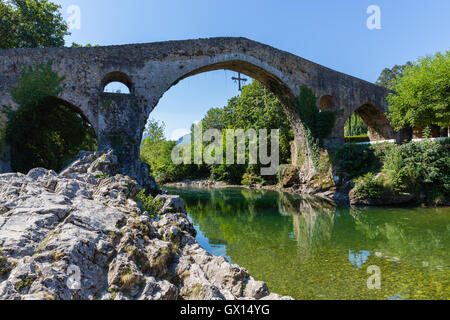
393 140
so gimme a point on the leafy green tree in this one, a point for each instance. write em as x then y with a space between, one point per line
214 119
44 131
258 108
31 24
157 152
422 94
152 143
318 123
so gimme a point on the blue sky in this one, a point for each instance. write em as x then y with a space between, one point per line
329 32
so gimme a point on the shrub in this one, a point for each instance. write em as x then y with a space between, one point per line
228 173
356 139
422 168
251 179
369 186
354 160
148 203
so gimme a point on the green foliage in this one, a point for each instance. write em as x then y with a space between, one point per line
422 94
280 174
157 152
31 24
317 124
369 186
4 265
152 144
102 176
37 83
427 134
24 284
389 76
355 126
256 108
77 45
44 131
421 168
228 172
148 203
418 168
354 160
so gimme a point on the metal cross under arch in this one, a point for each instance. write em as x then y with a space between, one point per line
239 79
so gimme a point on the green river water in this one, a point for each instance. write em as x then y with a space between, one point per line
309 249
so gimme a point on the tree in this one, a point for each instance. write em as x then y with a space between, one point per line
152 143
214 119
31 24
422 94
258 108
388 76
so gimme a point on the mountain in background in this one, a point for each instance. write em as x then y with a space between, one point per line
184 139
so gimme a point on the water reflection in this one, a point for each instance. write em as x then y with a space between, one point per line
309 249
358 258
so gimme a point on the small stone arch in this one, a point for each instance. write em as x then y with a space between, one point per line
326 102
69 105
376 121
117 76
50 104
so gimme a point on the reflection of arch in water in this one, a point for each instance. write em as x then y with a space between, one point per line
313 220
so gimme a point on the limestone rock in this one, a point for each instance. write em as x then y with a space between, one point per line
81 235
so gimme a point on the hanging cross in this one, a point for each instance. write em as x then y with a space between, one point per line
239 79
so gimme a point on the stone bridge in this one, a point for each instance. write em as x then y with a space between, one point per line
149 70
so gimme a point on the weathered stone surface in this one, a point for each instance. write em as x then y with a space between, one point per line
291 176
172 203
78 236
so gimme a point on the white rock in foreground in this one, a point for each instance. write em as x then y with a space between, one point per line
78 236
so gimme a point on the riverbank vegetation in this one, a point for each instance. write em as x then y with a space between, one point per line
419 170
416 171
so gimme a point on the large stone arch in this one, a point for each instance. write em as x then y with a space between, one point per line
267 75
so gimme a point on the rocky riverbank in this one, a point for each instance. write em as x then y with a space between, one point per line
81 235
